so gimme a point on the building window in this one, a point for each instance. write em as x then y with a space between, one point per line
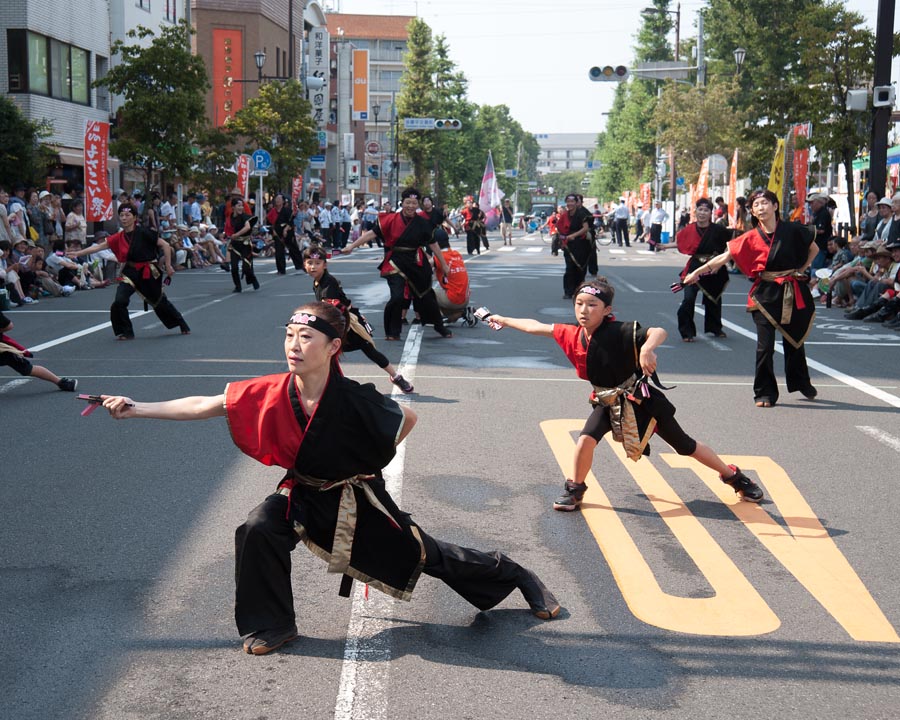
44 66
171 5
144 5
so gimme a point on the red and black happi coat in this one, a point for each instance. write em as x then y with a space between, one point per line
330 458
779 292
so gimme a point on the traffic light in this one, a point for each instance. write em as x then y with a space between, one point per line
608 73
447 124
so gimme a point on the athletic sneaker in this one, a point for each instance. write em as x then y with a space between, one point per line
402 383
743 486
67 384
67 290
571 498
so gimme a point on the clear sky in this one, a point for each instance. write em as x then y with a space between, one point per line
534 56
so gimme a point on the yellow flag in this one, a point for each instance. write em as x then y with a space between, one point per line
776 176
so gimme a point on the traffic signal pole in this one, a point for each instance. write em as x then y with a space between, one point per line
881 116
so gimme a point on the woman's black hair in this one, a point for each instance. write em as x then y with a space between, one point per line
770 196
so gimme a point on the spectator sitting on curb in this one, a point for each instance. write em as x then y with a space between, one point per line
210 244
878 281
840 256
9 276
15 356
841 281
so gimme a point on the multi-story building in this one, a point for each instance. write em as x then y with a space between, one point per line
385 37
561 152
52 50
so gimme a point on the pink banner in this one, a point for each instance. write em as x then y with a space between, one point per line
732 189
98 198
243 175
646 198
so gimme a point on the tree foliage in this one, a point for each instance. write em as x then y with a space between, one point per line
418 99
163 85
279 120
23 156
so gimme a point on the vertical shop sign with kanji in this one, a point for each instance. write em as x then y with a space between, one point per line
98 198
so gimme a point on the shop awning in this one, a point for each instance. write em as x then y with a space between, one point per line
893 158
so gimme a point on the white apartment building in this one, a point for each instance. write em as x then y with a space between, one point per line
562 152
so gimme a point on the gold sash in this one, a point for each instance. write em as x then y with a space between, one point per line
789 298
345 528
622 419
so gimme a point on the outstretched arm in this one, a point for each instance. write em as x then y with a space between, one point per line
709 267
526 325
186 408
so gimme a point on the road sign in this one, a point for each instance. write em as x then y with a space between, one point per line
317 162
593 165
373 148
418 123
354 168
260 173
372 171
261 160
663 70
511 173
679 181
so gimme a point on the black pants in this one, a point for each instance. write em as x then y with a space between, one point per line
667 428
574 275
473 242
593 266
622 232
151 289
426 306
795 369
263 596
655 234
287 243
242 261
712 323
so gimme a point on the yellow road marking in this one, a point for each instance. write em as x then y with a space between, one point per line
807 551
735 609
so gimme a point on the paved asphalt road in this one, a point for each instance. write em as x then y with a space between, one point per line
116 573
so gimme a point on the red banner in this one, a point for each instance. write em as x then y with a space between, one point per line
228 63
646 198
98 198
296 190
801 162
243 175
703 181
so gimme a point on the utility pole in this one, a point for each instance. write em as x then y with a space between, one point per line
881 116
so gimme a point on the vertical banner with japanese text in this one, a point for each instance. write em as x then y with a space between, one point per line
318 62
703 181
801 161
243 175
776 174
98 198
360 84
227 71
296 190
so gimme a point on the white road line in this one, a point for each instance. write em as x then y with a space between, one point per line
505 248
616 251
880 436
6 387
81 333
534 249
362 691
875 392
619 281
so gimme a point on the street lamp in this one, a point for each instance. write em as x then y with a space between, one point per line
739 55
651 11
376 108
260 58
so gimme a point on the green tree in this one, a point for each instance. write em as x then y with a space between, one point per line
697 122
162 114
23 156
279 120
216 155
417 99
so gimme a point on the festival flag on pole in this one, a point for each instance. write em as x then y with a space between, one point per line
801 162
98 198
703 181
243 174
490 195
646 199
776 175
732 189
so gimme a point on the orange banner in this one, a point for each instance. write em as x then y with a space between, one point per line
228 64
703 181
360 84
646 197
97 197
243 175
732 188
